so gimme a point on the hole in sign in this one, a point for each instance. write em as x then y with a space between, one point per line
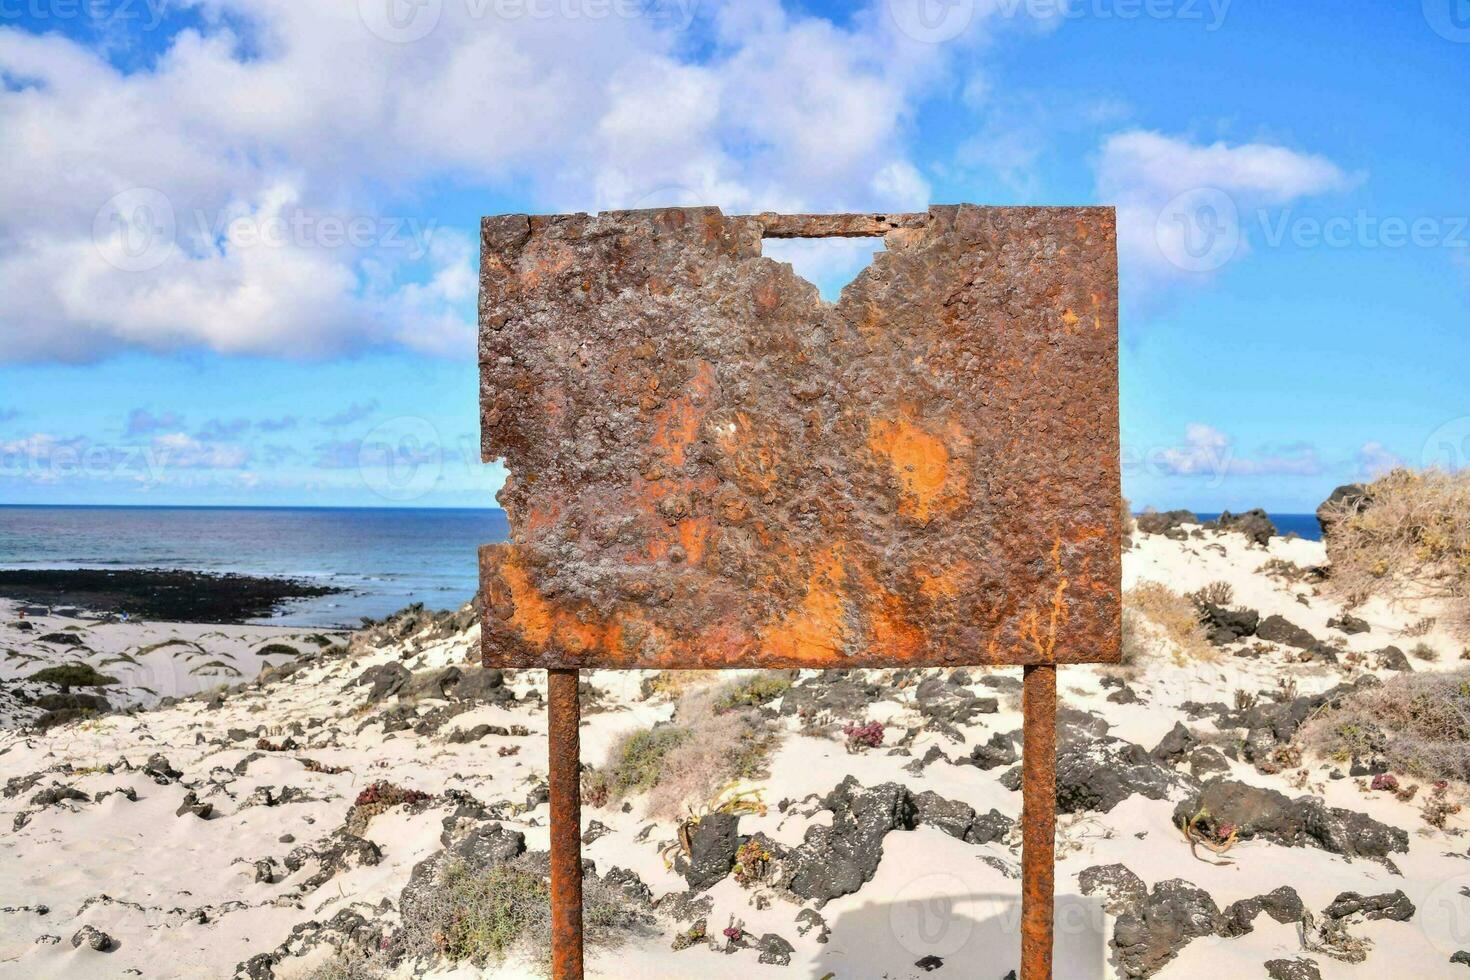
830 264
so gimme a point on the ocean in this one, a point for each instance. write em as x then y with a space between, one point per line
386 558
1302 525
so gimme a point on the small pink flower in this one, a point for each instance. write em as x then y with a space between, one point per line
733 933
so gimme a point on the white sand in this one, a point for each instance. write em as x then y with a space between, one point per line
932 894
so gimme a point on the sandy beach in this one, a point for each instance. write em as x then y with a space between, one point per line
217 827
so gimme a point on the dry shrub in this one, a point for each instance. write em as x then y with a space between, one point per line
1419 723
1220 593
723 746
1420 627
1155 616
1408 538
346 964
712 742
753 691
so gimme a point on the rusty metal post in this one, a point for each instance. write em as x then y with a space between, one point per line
564 749
1038 820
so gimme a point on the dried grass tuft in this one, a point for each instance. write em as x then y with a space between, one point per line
1408 539
1158 619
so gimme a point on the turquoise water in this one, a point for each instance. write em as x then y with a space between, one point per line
386 558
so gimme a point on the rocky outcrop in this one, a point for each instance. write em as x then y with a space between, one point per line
1350 498
1279 629
1284 905
1349 624
841 695
1254 524
1294 969
1175 913
839 859
950 704
1097 773
1392 658
1228 625
712 845
1166 523
1305 821
1394 906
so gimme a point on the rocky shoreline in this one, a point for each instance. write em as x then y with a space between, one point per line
172 595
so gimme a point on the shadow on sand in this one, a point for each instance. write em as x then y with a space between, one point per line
975 935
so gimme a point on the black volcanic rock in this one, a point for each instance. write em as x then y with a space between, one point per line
1154 522
1279 629
1254 524
1306 820
1350 498
159 593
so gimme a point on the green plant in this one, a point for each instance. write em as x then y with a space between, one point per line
73 675
277 650
637 757
1425 652
753 691
482 913
752 863
493 909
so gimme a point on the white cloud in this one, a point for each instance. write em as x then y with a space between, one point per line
179 450
1181 205
279 113
1210 453
1376 459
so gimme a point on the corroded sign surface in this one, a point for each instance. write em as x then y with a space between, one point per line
710 466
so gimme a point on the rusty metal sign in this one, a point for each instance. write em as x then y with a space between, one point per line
710 466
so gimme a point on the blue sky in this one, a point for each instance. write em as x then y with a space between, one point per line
237 239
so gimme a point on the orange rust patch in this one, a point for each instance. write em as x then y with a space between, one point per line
542 263
942 583
921 463
1039 627
676 425
815 629
693 536
537 621
890 631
